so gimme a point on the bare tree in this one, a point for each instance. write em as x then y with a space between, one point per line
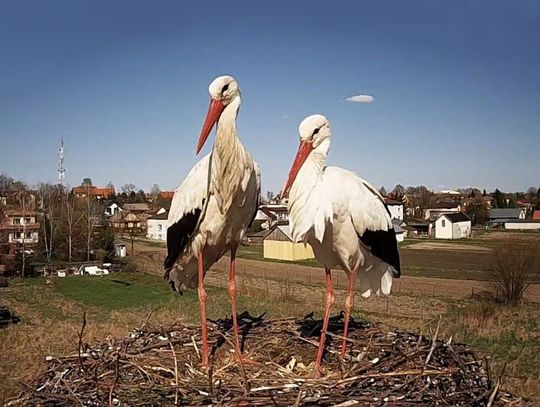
71 219
51 203
90 216
513 266
128 188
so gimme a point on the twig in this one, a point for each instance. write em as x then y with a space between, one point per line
433 343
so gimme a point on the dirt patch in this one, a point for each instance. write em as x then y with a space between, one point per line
434 245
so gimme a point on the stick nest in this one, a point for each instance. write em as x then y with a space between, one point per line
161 366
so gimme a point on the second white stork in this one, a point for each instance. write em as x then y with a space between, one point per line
214 206
343 218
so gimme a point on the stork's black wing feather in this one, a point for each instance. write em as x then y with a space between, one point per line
383 244
178 235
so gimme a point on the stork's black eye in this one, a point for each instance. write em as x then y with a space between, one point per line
316 131
225 88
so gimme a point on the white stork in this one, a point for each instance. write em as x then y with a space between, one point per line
214 206
343 218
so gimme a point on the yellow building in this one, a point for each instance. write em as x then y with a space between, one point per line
278 244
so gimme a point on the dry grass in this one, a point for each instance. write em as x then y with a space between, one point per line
52 318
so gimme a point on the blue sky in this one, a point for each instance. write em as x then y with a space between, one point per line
457 88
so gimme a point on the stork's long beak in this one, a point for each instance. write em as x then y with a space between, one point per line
214 111
301 156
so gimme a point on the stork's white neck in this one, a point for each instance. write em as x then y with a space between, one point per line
229 157
308 208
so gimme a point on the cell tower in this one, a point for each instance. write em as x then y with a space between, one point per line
61 167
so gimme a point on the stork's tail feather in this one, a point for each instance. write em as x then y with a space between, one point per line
376 279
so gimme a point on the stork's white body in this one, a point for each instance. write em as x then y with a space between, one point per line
329 208
343 218
225 187
214 206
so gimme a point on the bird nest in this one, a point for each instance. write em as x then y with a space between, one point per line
161 366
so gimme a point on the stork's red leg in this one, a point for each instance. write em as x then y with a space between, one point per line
202 307
329 301
232 295
349 302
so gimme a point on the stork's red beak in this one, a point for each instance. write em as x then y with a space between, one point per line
214 111
301 155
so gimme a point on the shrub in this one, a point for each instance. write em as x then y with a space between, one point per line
512 268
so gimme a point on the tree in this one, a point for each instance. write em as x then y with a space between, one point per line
398 192
128 188
500 199
51 208
155 193
382 191
72 217
484 192
90 217
477 212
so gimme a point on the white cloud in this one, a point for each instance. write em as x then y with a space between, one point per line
360 99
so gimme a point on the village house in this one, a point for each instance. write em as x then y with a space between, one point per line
269 215
19 226
279 245
136 207
111 208
126 220
156 226
435 210
452 226
395 208
86 188
499 216
399 228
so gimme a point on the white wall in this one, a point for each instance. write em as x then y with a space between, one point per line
156 229
461 229
396 211
443 228
522 226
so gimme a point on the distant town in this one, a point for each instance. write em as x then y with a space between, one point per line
88 222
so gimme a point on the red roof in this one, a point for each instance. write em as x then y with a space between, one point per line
536 215
167 194
93 190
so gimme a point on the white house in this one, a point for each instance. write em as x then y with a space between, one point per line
395 208
156 226
270 214
439 208
112 208
452 226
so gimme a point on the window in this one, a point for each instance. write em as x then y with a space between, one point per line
27 220
16 221
443 223
160 227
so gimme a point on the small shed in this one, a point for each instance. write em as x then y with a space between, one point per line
278 244
452 226
120 249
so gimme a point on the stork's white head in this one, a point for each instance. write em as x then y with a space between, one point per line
314 138
223 90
